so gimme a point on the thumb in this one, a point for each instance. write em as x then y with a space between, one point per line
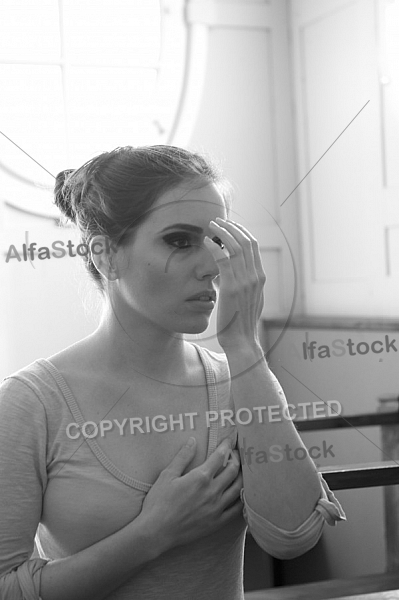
183 457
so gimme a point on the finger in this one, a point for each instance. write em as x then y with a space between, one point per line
217 459
247 234
243 229
233 246
230 269
257 262
233 492
219 254
261 304
223 262
255 249
242 239
232 512
230 470
183 458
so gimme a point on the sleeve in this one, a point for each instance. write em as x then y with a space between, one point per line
284 544
274 540
23 436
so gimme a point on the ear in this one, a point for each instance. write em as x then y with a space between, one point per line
103 254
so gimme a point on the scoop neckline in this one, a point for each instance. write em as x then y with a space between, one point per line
101 456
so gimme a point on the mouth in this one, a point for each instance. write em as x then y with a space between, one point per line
205 296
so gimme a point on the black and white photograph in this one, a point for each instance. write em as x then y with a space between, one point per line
199 299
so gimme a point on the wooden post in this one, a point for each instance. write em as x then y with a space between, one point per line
390 450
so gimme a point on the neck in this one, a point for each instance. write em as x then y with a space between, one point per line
126 343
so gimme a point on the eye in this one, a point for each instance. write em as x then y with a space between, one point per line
182 241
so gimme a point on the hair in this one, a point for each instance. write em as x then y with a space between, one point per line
113 193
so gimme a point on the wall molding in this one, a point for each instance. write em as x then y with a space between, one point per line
193 85
229 14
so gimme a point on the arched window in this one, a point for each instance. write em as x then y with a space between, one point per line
79 77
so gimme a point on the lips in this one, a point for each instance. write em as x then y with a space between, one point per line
205 296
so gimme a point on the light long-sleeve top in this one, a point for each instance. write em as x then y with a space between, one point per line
64 491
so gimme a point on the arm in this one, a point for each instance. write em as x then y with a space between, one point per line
97 571
178 509
92 573
281 495
281 490
22 481
286 501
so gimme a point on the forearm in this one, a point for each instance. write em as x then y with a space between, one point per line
280 488
100 569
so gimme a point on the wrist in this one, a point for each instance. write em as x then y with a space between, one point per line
244 357
153 542
245 350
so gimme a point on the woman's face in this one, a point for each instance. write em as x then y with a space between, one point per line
166 265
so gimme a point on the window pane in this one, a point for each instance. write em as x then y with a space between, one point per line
390 94
108 108
29 30
32 114
112 31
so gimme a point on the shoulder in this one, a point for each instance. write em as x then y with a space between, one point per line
24 382
76 357
30 392
23 423
217 362
217 375
218 370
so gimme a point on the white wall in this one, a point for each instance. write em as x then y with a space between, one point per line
245 119
345 55
356 547
43 303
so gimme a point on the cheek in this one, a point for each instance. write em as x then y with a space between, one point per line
158 282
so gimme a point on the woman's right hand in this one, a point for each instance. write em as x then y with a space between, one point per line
183 508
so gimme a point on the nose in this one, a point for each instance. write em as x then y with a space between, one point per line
206 265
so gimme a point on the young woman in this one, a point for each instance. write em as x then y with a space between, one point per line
95 455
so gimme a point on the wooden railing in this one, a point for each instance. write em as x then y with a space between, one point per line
333 589
361 475
364 474
367 420
350 477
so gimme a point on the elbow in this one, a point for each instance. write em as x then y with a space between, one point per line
284 544
22 582
295 549
287 548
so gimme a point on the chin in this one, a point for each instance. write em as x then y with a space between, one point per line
197 325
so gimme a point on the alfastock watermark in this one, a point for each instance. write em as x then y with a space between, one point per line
276 453
339 348
58 249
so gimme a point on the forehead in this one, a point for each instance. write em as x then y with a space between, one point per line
189 205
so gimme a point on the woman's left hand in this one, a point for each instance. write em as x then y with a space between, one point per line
242 279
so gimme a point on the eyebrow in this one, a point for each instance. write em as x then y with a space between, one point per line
185 226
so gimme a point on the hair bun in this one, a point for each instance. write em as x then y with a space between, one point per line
62 194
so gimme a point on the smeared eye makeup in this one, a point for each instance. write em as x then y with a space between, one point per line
180 240
184 241
218 241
